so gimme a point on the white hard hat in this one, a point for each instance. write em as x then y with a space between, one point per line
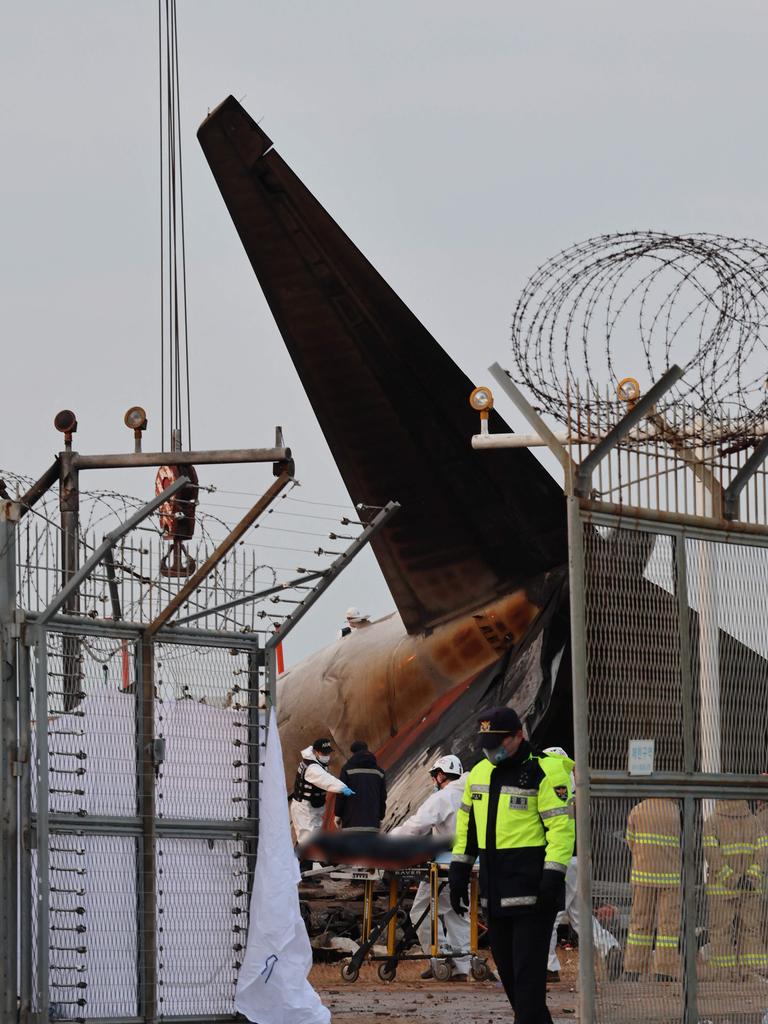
355 613
448 765
558 751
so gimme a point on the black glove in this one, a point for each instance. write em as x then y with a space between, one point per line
552 889
458 882
745 882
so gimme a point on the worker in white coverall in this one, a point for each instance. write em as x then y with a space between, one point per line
605 944
309 789
437 815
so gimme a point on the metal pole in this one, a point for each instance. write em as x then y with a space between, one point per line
580 690
214 457
43 810
308 578
334 569
69 506
639 411
548 436
226 545
9 837
25 830
688 893
146 882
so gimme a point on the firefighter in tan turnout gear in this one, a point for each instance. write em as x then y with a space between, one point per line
732 847
653 837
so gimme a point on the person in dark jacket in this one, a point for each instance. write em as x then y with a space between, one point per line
363 811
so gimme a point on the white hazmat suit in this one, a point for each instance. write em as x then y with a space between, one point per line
305 818
437 815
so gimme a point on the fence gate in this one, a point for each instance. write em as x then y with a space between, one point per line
143 824
675 709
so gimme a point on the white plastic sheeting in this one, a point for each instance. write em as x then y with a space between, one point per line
273 986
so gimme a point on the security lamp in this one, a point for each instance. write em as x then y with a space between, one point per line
628 390
481 400
65 421
135 418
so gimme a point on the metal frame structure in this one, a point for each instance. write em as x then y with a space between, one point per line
27 822
697 782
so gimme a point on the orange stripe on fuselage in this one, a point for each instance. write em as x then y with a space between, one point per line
396 747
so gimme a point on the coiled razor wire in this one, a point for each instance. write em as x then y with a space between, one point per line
634 303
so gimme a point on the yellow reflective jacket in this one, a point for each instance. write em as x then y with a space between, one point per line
518 818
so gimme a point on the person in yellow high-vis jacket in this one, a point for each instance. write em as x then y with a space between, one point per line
653 837
732 849
516 815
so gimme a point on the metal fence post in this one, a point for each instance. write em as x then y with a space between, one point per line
146 881
688 901
580 690
8 761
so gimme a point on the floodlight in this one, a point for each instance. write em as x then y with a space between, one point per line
135 418
628 389
65 421
481 399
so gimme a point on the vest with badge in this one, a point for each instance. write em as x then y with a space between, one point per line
303 790
517 817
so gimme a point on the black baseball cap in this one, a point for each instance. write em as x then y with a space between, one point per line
496 723
324 745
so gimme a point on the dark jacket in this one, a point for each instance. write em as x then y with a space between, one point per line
367 807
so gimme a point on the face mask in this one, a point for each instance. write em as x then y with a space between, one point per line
323 758
496 754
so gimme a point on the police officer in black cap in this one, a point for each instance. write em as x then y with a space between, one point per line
516 816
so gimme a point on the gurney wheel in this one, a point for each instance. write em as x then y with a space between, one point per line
480 969
349 973
441 970
387 971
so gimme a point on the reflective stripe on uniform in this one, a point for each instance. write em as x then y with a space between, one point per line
365 771
553 865
464 807
639 939
463 858
638 877
555 811
518 901
737 848
725 960
478 787
666 941
516 791
652 839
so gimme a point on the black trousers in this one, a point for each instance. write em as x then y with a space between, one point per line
520 947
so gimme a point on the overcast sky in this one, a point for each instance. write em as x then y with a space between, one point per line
459 145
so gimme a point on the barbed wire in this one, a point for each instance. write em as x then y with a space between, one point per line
630 305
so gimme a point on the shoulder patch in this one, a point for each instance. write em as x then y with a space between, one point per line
561 792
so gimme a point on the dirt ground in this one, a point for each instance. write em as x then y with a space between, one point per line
409 1000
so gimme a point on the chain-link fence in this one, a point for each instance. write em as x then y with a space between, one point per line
143 823
676 691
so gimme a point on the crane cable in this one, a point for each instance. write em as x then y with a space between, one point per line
174 331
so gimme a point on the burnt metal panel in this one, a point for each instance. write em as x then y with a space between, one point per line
391 403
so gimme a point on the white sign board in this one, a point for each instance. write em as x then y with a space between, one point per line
641 757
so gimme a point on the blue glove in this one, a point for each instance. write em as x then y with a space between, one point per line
347 791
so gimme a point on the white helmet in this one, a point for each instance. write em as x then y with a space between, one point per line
557 751
355 615
448 765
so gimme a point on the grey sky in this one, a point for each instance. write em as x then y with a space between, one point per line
458 145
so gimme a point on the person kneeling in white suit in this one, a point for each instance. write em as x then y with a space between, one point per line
437 815
605 943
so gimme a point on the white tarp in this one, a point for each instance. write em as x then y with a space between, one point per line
273 986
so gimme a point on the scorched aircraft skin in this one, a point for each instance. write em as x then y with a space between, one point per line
475 558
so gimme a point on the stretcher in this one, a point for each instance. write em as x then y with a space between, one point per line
399 885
